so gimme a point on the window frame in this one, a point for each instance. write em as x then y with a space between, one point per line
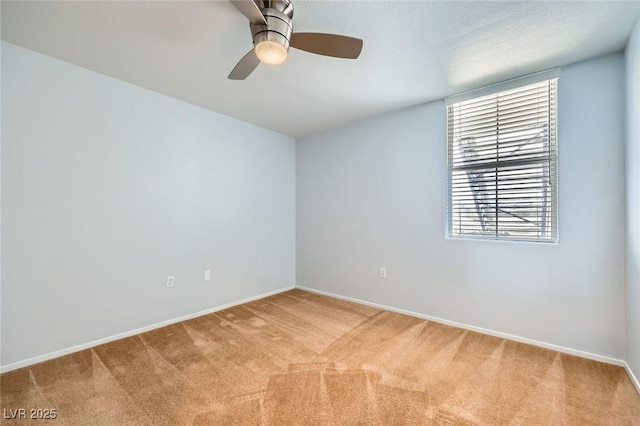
491 90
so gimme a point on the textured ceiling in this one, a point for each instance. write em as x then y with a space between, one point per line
413 51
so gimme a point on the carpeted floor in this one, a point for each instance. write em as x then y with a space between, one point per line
299 358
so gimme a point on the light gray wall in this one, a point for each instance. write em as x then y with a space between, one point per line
107 188
1 48
372 194
632 156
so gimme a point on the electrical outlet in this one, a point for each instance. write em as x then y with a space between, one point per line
170 280
207 275
383 272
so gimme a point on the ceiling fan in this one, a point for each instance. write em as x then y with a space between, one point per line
272 31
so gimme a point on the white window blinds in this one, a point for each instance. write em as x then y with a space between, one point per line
502 164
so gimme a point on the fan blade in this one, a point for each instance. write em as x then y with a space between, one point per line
251 10
245 67
335 45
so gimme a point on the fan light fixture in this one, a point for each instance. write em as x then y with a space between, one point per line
271 52
271 28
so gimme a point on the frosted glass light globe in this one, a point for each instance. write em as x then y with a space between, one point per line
271 52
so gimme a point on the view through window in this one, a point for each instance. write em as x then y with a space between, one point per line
502 165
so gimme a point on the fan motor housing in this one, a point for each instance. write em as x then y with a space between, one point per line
279 26
284 6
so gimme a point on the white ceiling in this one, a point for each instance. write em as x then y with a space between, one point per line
414 51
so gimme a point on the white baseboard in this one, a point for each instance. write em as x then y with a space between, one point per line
76 348
632 376
550 346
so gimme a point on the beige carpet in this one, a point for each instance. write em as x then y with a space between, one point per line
299 358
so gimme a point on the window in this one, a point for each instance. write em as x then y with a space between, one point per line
502 164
